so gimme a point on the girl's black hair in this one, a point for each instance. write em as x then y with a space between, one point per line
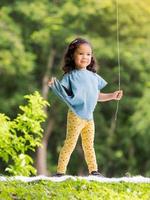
69 64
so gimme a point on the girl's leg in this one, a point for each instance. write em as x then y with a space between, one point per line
74 127
87 135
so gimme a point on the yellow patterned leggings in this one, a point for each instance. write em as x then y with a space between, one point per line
75 126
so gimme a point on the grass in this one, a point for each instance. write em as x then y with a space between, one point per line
73 190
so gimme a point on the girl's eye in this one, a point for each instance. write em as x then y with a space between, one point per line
86 54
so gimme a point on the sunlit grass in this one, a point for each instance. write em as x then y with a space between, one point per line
72 190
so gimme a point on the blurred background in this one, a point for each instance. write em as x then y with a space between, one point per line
33 38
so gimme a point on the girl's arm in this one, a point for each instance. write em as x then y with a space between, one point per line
117 95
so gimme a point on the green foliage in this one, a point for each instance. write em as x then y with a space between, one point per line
72 190
21 135
141 117
13 56
141 126
16 63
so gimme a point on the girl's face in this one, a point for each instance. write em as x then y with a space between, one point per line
82 56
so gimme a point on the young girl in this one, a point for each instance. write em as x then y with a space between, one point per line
80 90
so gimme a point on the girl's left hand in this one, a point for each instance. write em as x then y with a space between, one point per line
117 95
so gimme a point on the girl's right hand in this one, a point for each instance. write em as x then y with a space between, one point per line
117 95
51 81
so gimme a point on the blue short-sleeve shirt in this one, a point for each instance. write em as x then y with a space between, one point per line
79 89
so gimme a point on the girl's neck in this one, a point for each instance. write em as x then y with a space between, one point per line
77 68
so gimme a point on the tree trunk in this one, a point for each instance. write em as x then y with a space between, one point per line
41 156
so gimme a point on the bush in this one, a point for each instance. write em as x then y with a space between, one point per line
21 135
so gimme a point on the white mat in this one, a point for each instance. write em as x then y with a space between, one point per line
135 179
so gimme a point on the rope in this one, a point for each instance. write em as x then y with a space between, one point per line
118 54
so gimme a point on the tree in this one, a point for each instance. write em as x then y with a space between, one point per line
141 131
16 63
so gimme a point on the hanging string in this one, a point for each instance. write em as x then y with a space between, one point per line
118 54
